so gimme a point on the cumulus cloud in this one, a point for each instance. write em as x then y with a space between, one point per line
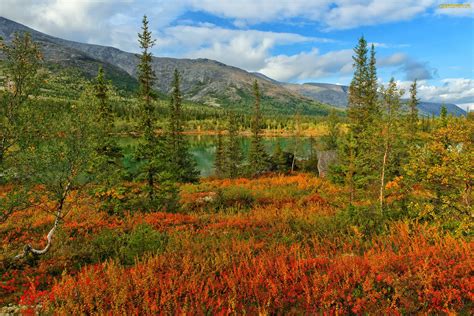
452 90
308 65
246 49
412 68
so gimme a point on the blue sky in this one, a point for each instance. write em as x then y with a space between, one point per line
288 40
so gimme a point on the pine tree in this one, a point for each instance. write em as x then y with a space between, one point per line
183 166
258 159
413 107
233 150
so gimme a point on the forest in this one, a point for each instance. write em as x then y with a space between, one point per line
377 220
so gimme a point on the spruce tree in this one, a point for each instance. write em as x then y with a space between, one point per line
108 147
357 109
443 115
183 166
107 165
258 159
146 78
279 158
373 110
413 108
219 161
160 188
233 150
330 140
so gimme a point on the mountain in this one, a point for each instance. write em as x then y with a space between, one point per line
56 54
203 80
337 96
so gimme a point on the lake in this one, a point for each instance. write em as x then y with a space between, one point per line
203 148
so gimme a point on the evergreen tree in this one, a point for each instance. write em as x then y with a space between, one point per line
233 150
151 150
373 110
183 166
108 164
108 147
443 115
279 158
413 108
219 161
330 140
296 139
258 159
358 89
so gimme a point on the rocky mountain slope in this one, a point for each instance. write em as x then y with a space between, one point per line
203 80
337 96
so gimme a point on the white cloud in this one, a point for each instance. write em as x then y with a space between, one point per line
412 68
308 65
246 49
453 90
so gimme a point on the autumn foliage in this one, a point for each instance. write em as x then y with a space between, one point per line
273 245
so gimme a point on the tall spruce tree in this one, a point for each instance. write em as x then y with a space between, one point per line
183 166
233 150
160 188
107 165
413 108
146 77
258 158
373 109
358 89
361 152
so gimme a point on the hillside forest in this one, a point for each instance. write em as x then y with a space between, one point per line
376 220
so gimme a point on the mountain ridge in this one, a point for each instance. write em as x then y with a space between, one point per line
203 80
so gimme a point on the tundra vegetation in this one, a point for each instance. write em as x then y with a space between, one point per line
385 228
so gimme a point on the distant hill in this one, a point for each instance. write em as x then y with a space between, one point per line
203 80
337 95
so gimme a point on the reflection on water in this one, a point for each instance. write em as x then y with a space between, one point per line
203 148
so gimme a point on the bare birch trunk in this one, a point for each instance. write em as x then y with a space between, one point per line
28 248
382 177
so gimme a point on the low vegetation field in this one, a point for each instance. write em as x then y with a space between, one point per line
277 244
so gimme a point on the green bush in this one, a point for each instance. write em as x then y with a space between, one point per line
127 247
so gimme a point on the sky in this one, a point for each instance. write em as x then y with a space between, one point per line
288 40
